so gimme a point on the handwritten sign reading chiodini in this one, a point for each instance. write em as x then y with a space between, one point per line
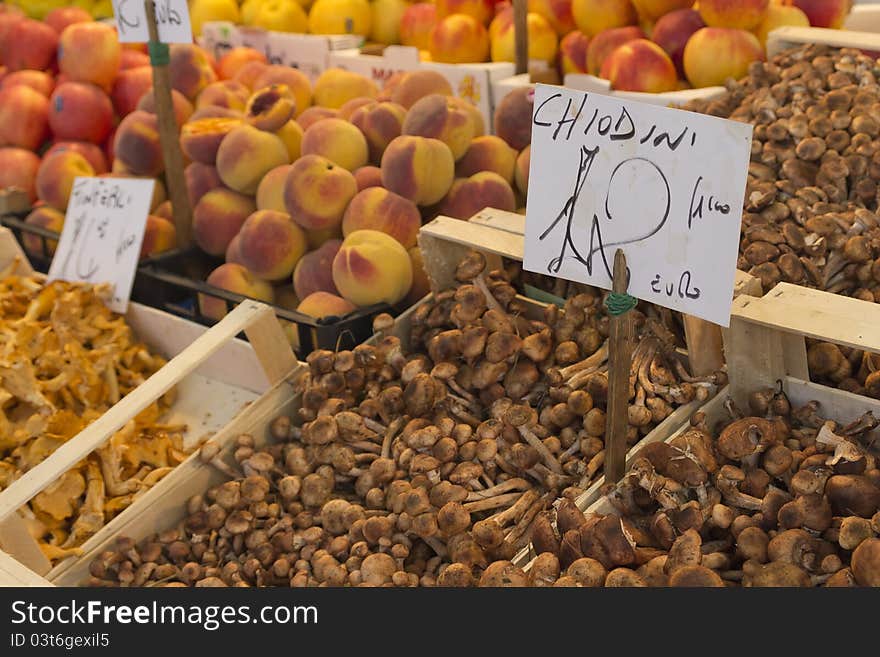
664 185
102 235
172 21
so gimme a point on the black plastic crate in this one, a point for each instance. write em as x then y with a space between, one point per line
33 239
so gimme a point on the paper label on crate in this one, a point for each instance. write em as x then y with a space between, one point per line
664 185
172 21
102 235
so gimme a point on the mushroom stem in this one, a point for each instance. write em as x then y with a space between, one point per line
519 507
590 362
541 448
494 502
592 468
390 433
491 301
517 484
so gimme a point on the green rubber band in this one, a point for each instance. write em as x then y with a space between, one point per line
619 303
159 53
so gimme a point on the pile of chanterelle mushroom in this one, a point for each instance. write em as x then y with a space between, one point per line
64 360
810 211
417 467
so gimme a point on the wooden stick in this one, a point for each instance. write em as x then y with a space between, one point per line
168 136
521 35
704 345
619 361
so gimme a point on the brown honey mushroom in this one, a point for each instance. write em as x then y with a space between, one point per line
432 466
784 498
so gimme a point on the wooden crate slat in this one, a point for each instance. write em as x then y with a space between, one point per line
788 37
12 573
511 222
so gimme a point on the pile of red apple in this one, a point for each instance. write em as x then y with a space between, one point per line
658 46
65 83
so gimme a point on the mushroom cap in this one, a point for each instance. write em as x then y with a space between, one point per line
865 562
695 576
471 266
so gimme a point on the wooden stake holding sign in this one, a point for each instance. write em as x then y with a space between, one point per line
521 36
609 176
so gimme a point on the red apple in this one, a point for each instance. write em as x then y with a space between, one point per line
36 80
604 43
94 154
132 59
18 168
89 52
640 65
61 17
823 13
79 111
673 31
30 44
130 87
23 117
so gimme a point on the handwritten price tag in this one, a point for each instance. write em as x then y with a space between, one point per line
172 19
102 235
664 185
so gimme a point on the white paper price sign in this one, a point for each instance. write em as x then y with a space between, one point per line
664 185
172 21
102 235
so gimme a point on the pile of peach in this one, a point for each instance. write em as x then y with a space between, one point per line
657 45
63 85
314 196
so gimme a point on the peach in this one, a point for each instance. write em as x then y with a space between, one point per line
93 154
292 135
485 189
269 108
714 54
61 17
218 217
376 208
513 118
234 60
595 16
280 16
476 116
421 284
418 168
607 42
296 81
200 179
248 73
458 39
270 192
29 44
415 85
317 238
521 175
270 244
416 24
488 153
542 37
24 117
132 59
391 83
380 123
368 176
351 106
640 65
36 80
823 13
137 144
372 267
56 174
557 13
337 140
314 114
322 305
233 278
211 112
482 10
183 109
436 117
336 86
735 14
314 271
159 235
190 69
160 194
129 88
164 211
224 93
18 169
45 217
89 52
573 52
317 192
79 111
246 154
233 255
673 31
780 16
652 10
200 139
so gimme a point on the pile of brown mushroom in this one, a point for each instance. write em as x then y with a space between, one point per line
64 360
781 498
418 468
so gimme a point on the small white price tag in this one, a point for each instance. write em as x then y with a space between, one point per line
102 235
172 20
664 185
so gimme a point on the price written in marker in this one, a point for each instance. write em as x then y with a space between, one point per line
102 235
664 185
172 20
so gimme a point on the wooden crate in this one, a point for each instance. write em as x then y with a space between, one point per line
789 37
215 375
12 573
